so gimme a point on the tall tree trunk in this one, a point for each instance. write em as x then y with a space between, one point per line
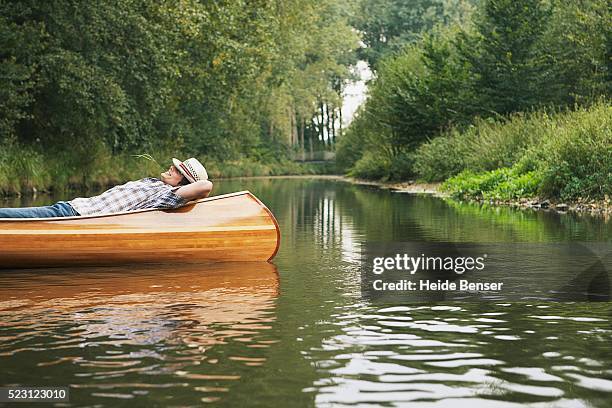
310 142
322 128
333 127
316 131
302 135
340 120
294 132
327 125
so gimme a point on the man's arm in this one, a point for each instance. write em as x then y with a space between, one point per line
195 191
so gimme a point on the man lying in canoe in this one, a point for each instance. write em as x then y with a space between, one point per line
183 182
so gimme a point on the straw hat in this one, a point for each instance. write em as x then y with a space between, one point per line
192 169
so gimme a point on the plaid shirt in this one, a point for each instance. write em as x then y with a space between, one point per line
134 195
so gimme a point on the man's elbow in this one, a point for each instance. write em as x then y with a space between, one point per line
195 191
205 188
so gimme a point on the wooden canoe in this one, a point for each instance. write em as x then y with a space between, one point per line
229 227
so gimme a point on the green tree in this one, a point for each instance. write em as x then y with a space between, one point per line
509 72
220 78
579 45
387 26
419 93
98 72
20 42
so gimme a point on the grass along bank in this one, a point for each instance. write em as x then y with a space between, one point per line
25 170
531 159
539 159
438 189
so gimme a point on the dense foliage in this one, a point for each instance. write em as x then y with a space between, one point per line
224 80
564 155
464 79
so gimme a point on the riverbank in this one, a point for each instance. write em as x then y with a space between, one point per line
545 159
403 187
601 208
25 171
583 206
536 159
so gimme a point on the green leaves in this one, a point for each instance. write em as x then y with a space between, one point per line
565 156
503 55
500 184
218 78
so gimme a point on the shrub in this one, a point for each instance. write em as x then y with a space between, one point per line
490 144
499 184
468 184
564 156
516 186
401 166
351 145
21 169
486 145
372 165
577 161
440 157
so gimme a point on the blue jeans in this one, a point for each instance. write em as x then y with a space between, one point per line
59 209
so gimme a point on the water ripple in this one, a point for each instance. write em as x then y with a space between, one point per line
403 364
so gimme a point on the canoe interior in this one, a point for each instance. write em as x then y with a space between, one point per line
230 227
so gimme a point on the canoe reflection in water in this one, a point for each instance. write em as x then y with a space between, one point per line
118 299
96 324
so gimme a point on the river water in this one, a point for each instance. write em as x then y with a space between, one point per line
298 332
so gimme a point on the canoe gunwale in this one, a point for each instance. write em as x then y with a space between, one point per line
83 217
